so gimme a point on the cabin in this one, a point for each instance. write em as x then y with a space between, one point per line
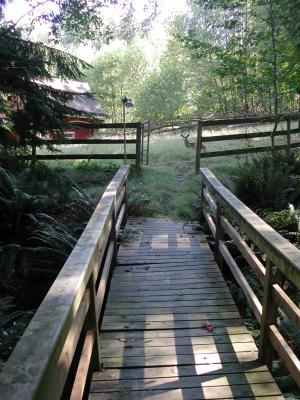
83 100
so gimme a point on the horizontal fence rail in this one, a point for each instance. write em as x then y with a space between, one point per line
62 339
52 157
228 217
249 120
287 133
137 126
201 124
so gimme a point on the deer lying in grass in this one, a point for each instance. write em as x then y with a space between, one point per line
191 145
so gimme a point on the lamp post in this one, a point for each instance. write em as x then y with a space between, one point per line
128 103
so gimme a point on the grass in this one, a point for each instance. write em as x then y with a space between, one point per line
167 187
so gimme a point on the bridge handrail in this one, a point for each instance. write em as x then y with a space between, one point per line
64 331
282 261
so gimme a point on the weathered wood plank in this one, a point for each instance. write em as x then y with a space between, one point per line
171 329
187 303
264 391
206 265
166 286
204 290
184 382
190 332
188 316
169 276
177 372
120 343
132 325
136 280
176 350
193 359
171 311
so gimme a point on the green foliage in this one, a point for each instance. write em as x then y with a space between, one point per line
251 51
285 381
267 182
117 71
30 104
12 326
31 240
71 21
127 234
282 220
89 165
138 201
161 191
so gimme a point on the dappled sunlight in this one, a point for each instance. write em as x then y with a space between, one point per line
159 241
183 242
211 392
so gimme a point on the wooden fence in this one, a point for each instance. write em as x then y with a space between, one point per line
227 216
200 124
287 133
103 156
62 340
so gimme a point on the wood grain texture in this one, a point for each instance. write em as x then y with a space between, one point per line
171 329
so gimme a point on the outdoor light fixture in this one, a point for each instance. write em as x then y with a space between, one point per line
128 103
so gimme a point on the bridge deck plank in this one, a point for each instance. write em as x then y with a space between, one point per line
156 341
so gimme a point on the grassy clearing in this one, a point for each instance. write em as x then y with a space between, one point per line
167 187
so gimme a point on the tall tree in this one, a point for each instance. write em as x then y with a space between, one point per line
245 43
29 105
115 72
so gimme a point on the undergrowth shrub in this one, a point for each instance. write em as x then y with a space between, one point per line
30 239
12 326
268 182
42 213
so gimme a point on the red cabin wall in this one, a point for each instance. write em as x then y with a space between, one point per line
83 133
79 133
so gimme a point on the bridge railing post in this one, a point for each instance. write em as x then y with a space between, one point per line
219 235
124 221
92 323
269 314
202 201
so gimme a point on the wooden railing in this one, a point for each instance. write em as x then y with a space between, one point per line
60 347
226 216
287 133
91 156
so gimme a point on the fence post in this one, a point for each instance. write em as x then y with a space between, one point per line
288 137
33 150
142 142
219 236
199 145
269 314
138 145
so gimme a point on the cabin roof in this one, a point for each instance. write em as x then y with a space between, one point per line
83 99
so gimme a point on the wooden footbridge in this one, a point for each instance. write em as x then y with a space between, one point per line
154 318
